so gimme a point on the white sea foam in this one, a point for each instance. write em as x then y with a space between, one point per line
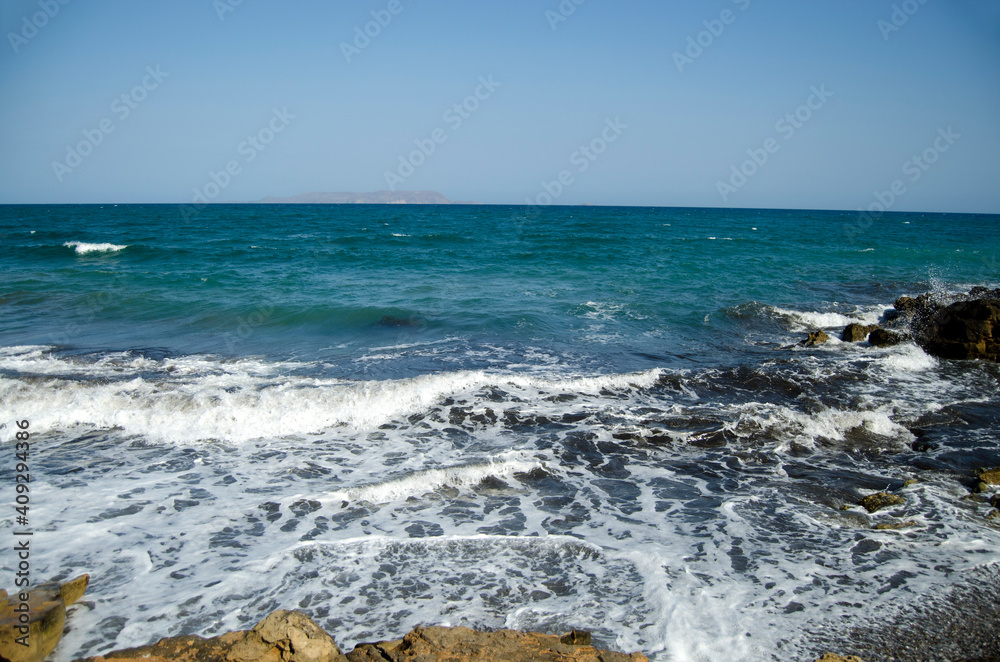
805 320
634 546
82 248
429 480
907 357
200 398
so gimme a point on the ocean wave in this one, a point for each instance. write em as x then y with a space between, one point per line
83 248
801 320
201 398
430 480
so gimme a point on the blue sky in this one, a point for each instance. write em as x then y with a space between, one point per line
265 88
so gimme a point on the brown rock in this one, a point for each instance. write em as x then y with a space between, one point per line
880 500
989 476
857 332
576 638
459 644
830 657
966 330
815 338
45 619
893 526
879 337
283 636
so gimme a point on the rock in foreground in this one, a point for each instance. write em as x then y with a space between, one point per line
966 330
464 645
291 636
30 636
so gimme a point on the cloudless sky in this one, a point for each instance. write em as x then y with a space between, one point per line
346 124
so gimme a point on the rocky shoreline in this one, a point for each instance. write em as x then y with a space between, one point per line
960 327
961 626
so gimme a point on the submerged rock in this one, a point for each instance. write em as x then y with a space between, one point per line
855 332
894 526
42 628
875 502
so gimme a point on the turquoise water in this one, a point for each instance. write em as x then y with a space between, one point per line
494 416
328 275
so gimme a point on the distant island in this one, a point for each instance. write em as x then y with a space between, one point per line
376 198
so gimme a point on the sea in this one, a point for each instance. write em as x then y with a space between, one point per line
538 418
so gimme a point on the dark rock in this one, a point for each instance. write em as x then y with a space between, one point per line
965 330
880 500
857 332
906 305
879 337
46 616
815 338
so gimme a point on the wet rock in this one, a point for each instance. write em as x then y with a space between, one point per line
895 526
283 636
576 638
460 644
815 338
906 305
880 337
875 502
989 476
831 657
965 330
857 332
45 618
